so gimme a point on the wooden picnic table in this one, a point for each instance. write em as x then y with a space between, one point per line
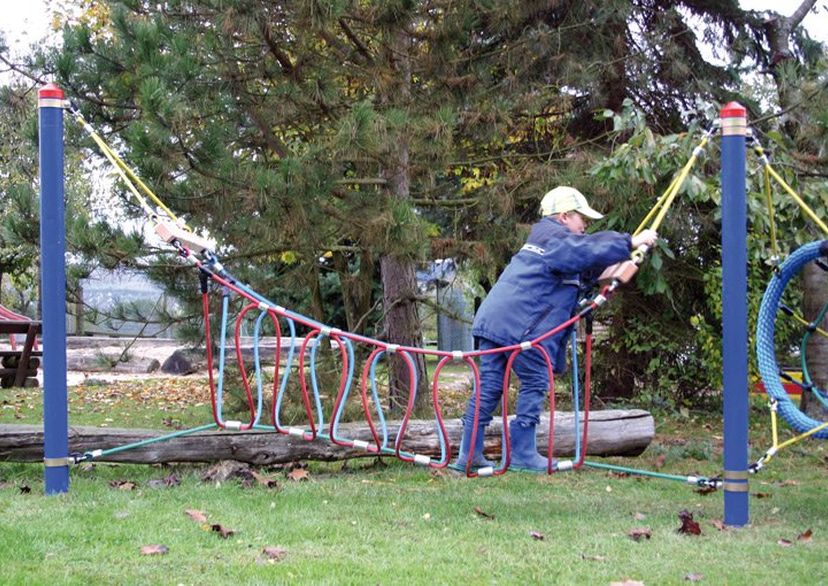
20 364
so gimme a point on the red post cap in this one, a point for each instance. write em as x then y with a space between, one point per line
50 91
733 110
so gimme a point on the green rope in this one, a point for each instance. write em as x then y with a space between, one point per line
698 480
806 376
149 441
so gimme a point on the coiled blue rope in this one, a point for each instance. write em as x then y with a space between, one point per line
765 337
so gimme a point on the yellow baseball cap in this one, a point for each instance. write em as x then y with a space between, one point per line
567 199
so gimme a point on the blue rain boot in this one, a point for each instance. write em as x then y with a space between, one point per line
524 448
478 460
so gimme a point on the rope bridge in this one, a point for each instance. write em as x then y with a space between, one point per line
323 425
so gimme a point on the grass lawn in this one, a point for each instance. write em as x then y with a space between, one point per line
369 523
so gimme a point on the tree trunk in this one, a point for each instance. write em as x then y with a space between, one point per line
356 289
399 283
778 30
611 433
816 354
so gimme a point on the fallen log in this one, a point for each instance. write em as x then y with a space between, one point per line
611 433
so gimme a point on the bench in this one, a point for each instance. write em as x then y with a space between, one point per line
20 364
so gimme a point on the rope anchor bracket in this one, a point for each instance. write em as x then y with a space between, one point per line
169 232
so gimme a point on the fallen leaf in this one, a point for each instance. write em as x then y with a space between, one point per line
122 484
719 524
688 525
785 542
705 490
637 533
483 513
298 474
536 535
627 582
639 516
272 552
167 482
762 495
196 515
659 462
788 483
593 558
224 470
156 549
25 489
265 481
427 516
694 577
223 531
805 536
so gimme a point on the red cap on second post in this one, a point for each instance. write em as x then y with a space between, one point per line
733 110
50 91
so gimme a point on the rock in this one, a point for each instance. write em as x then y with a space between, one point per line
180 362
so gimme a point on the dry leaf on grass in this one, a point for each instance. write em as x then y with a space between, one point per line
166 482
639 533
265 481
785 542
593 558
196 515
719 524
223 531
122 484
298 474
483 513
536 535
627 582
272 553
688 525
762 495
155 549
694 577
805 536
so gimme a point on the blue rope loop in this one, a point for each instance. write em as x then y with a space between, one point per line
765 337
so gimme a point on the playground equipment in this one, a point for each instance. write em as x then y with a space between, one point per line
326 425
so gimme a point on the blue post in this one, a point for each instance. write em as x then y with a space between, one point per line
734 315
53 290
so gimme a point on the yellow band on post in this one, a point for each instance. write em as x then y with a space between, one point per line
735 474
735 126
735 486
56 462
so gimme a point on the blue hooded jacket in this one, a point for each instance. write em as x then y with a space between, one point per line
539 288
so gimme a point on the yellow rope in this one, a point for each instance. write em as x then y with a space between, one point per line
664 202
127 174
679 181
805 208
769 202
805 322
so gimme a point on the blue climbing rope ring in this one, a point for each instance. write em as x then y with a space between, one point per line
765 333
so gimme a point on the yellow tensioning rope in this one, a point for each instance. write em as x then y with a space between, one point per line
666 200
127 174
